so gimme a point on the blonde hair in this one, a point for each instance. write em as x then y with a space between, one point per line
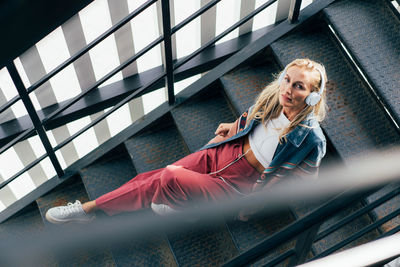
267 104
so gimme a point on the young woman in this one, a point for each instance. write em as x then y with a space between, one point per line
278 136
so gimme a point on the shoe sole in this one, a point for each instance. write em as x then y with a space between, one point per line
54 221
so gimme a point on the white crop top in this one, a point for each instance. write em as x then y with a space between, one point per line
264 142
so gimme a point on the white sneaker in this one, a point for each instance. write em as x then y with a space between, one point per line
73 212
162 209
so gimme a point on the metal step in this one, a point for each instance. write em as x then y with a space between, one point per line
198 118
243 84
371 32
72 190
61 195
154 149
203 246
355 124
108 173
154 250
24 223
256 229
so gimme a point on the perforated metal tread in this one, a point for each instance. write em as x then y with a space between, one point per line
256 229
372 33
198 119
25 222
107 175
243 84
204 246
152 150
388 207
345 231
153 250
61 195
354 124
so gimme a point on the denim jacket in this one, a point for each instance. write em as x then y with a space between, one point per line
300 155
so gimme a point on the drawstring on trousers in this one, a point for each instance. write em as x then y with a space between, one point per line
236 160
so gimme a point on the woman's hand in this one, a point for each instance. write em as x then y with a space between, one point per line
224 128
224 131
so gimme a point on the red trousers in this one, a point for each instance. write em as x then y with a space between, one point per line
186 181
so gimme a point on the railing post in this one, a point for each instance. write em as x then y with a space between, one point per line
304 244
169 68
34 117
294 11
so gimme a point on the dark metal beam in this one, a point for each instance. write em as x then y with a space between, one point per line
90 46
34 117
169 65
194 15
294 11
25 22
280 258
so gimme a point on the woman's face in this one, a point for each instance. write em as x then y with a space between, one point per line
294 89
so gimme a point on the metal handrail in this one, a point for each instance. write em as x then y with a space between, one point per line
358 234
280 258
317 216
19 85
302 224
27 168
194 16
117 106
104 79
20 137
91 45
357 214
9 103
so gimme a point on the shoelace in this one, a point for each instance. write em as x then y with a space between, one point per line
71 208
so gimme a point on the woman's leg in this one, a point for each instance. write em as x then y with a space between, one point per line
196 161
178 187
90 206
187 180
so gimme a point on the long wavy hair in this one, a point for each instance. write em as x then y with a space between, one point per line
267 105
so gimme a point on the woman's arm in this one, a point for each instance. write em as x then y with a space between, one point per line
224 131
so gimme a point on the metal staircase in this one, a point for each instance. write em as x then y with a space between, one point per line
359 44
